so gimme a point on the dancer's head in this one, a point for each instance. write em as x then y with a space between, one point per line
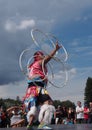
38 55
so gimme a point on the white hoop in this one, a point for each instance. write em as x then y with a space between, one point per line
55 38
20 61
66 74
50 38
45 36
27 70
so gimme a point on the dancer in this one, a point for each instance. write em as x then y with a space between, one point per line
37 81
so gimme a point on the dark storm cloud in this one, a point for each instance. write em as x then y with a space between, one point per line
12 41
11 45
10 49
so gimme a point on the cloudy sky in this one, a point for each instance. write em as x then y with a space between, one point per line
69 20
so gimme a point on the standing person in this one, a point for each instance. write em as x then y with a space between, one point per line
64 115
71 115
0 116
5 118
86 113
58 113
79 113
37 82
90 113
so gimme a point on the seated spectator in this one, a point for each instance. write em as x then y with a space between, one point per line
16 119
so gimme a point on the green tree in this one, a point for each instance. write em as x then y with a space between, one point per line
88 91
66 103
56 103
5 103
2 103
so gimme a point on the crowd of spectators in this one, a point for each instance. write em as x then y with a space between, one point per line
81 114
16 116
12 117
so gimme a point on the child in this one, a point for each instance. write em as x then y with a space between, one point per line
37 82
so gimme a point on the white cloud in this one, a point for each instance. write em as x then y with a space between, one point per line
13 90
11 26
73 91
72 73
25 24
84 71
63 11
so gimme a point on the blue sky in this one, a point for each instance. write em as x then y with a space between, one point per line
69 20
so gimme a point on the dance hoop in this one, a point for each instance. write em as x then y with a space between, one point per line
64 71
23 69
46 42
42 41
63 55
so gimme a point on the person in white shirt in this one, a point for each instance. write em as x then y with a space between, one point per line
79 113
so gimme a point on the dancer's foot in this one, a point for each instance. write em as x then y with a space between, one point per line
47 127
29 127
43 126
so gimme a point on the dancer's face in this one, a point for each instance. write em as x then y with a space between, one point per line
38 56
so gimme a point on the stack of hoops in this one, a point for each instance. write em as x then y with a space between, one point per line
46 42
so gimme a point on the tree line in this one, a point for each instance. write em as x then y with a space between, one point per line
87 98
